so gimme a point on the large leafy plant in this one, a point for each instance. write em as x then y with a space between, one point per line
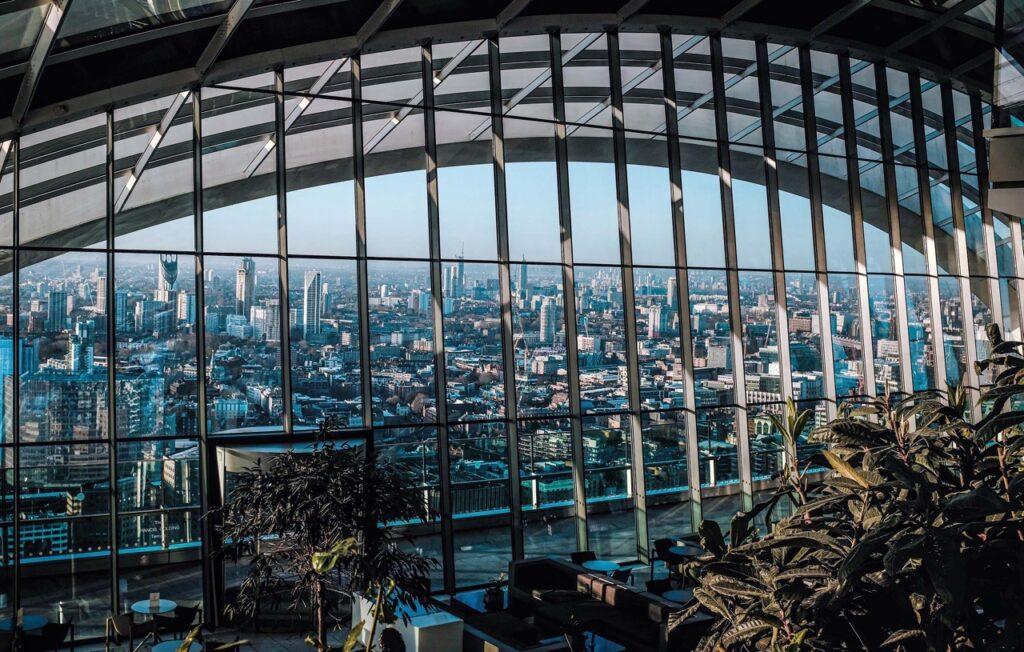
916 542
313 526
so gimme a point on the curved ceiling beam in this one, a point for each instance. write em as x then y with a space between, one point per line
55 14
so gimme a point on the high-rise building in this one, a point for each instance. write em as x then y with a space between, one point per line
548 318
122 318
311 303
671 296
523 285
167 277
186 307
245 286
57 311
266 321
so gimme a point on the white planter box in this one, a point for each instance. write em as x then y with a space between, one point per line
426 631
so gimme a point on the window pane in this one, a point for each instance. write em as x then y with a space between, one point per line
719 467
884 333
804 336
472 341
243 343
321 200
63 194
465 186
601 339
396 182
401 342
657 333
611 519
325 326
155 320
921 333
847 345
712 340
239 190
538 328
545 463
153 185
666 475
63 383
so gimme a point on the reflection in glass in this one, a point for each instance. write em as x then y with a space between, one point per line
63 350
611 520
666 474
545 463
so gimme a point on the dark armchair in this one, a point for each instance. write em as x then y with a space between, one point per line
50 637
584 555
123 629
178 624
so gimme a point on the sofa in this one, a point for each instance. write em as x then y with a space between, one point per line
559 593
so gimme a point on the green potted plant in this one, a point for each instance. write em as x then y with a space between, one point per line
323 514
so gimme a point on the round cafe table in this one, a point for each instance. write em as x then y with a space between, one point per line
146 609
28 624
600 565
687 550
678 595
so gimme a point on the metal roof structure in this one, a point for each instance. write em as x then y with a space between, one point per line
66 58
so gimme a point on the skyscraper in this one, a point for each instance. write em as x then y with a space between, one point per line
547 321
167 276
187 307
245 286
522 277
57 310
670 292
311 304
123 319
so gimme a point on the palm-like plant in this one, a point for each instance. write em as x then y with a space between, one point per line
916 541
790 427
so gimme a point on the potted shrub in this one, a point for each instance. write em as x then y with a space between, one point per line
323 512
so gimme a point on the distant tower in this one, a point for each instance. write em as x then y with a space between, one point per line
547 321
670 291
522 277
57 311
167 276
311 303
460 279
245 286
